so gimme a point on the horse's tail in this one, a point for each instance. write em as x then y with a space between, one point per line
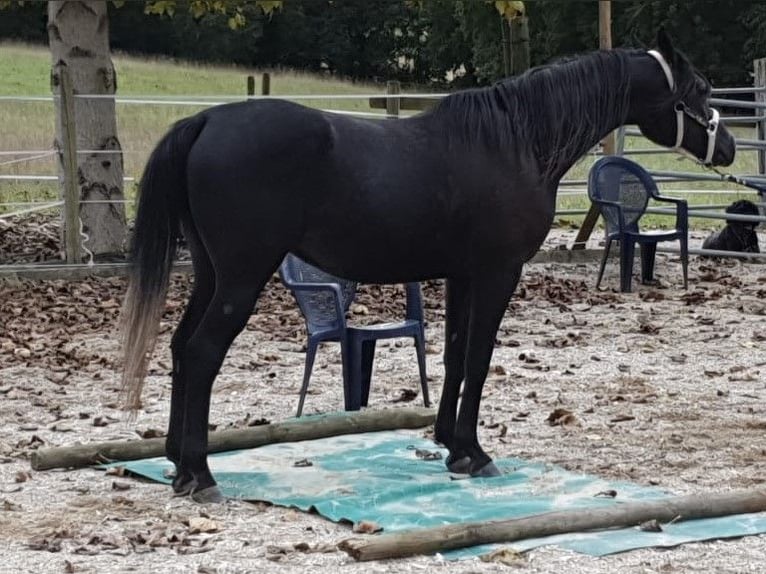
162 203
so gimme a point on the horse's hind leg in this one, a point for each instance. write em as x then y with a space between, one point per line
489 299
456 331
202 292
236 291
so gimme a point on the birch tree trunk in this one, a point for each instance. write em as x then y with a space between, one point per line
78 33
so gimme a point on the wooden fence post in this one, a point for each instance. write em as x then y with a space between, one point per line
505 39
266 84
69 161
759 82
605 43
393 105
519 43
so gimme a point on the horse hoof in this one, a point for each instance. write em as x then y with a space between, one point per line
209 495
487 471
460 465
183 487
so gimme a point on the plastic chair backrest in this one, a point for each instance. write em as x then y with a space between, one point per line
620 180
414 302
318 306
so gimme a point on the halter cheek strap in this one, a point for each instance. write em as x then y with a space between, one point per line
665 68
672 83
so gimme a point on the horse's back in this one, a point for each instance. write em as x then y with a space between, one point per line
371 200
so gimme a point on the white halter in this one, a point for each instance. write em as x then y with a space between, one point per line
681 110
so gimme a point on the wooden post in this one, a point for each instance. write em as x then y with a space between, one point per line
72 247
251 86
519 45
759 81
266 84
505 39
605 43
293 430
453 536
393 105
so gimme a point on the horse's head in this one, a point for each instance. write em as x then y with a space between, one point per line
670 104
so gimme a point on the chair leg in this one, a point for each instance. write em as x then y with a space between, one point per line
311 352
607 247
648 252
368 353
685 259
352 380
420 349
627 249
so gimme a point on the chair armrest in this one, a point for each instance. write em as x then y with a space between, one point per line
682 210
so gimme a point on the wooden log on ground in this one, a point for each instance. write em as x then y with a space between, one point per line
307 428
453 536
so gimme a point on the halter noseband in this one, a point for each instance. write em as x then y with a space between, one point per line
710 125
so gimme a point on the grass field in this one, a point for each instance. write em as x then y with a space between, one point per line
30 125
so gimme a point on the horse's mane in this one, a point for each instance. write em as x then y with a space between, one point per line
554 112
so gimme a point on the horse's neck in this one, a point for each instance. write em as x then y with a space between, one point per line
585 112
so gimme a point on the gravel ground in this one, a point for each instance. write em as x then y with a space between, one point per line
664 387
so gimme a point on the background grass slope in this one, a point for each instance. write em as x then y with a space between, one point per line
30 125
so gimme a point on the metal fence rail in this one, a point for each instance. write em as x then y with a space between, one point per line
571 187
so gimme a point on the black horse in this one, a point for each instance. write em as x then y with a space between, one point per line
464 192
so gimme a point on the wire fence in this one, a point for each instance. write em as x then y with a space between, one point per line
568 188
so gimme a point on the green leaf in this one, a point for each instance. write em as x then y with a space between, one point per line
269 7
237 21
160 7
510 9
197 9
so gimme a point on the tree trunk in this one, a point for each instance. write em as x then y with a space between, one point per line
78 34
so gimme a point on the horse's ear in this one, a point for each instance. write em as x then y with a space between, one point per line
676 59
665 45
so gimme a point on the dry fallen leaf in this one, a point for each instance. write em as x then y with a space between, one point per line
366 527
199 524
506 556
405 396
561 417
650 526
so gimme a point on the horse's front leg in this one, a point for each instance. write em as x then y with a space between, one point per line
455 336
489 300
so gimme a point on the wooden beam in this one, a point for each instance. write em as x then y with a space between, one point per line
393 105
307 428
70 166
454 536
759 81
266 84
604 43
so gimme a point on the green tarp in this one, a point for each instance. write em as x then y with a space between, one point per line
382 477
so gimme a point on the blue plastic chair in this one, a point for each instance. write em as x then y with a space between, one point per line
324 300
622 189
